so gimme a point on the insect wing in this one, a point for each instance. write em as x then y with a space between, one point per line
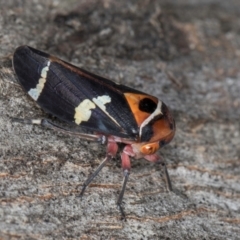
75 95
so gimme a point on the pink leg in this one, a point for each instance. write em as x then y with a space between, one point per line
126 164
112 148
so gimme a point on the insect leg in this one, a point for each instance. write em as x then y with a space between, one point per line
48 124
112 148
126 165
159 160
167 178
120 197
94 174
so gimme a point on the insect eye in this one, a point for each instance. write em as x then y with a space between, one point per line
150 148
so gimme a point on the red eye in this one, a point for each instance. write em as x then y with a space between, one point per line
150 148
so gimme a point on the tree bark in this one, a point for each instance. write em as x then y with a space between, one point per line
186 54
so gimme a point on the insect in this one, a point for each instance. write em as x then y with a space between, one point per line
112 113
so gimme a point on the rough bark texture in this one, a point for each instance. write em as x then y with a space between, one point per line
184 52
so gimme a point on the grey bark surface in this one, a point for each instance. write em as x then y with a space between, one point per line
187 53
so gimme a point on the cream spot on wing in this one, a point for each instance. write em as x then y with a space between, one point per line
35 92
101 101
83 111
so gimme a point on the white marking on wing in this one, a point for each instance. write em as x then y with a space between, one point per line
35 92
83 111
101 101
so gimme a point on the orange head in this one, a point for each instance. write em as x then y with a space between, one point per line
158 132
155 121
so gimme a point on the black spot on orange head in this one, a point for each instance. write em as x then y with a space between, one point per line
147 105
141 105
